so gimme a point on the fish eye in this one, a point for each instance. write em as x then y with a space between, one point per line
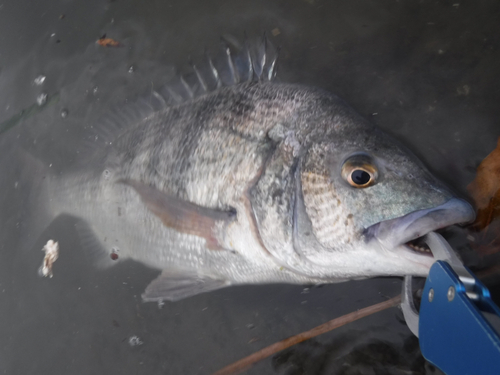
360 171
360 177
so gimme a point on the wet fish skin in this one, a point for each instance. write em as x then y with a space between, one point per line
270 153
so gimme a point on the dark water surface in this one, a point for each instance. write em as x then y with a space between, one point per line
425 71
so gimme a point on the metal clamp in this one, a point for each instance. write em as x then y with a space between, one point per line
441 250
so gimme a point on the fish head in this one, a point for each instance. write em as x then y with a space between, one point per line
361 197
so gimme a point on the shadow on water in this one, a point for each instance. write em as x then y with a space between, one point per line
425 72
368 357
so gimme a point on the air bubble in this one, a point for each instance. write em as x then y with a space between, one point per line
39 80
41 99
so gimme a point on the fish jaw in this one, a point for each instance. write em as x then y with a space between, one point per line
391 236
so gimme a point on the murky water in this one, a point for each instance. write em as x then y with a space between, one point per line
426 72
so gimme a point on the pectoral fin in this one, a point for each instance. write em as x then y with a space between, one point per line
175 285
184 217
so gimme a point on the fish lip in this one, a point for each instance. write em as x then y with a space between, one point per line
395 233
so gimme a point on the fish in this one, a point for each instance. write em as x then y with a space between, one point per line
229 177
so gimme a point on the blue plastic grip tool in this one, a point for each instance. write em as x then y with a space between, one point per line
458 324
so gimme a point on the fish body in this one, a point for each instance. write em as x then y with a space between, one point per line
255 182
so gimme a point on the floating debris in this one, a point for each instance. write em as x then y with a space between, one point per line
39 80
41 99
135 341
131 69
51 250
64 113
114 253
107 42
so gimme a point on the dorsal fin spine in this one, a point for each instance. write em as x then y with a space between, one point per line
160 98
202 82
175 96
214 71
272 66
232 69
264 52
246 54
187 88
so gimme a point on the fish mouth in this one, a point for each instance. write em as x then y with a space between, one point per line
418 246
403 235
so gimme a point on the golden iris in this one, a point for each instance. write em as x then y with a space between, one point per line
360 171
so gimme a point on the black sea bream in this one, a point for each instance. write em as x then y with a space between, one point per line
232 178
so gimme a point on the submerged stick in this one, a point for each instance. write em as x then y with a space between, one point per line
27 113
245 363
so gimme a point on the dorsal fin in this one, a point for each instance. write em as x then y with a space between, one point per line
235 63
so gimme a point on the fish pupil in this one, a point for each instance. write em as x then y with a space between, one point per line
360 177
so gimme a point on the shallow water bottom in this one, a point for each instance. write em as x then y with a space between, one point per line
425 72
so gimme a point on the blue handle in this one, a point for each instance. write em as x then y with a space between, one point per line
457 326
